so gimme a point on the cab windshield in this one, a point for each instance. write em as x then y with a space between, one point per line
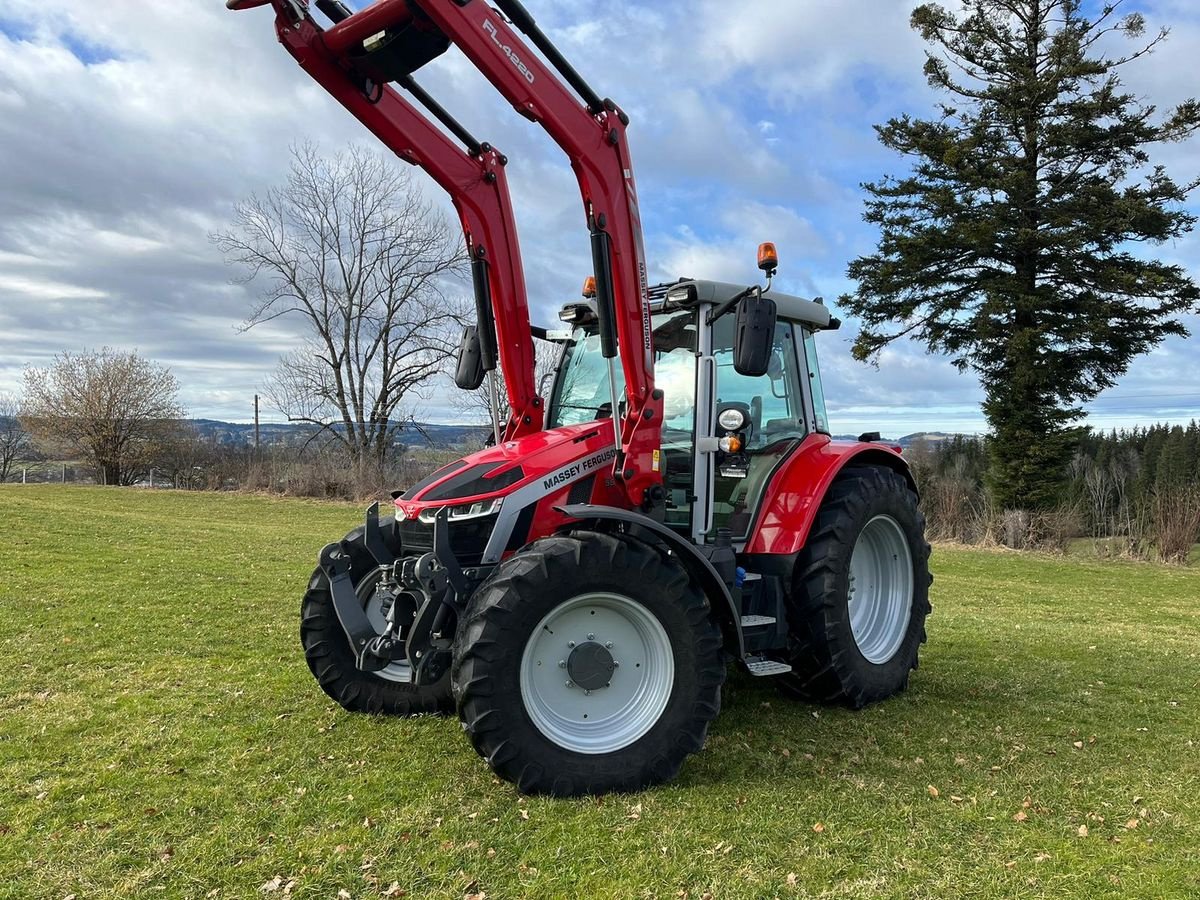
583 394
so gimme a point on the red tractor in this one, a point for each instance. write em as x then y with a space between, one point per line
578 589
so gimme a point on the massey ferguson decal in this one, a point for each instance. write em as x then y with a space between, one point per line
490 27
562 476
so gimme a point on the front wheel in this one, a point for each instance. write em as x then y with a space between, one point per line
860 593
586 664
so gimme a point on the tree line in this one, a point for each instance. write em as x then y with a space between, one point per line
1134 492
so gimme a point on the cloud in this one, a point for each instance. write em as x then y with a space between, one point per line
128 134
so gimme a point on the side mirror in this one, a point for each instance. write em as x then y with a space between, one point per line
754 335
469 373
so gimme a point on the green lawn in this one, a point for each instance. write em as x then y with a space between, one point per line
160 736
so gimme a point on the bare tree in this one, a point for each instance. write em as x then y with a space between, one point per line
14 436
349 246
114 408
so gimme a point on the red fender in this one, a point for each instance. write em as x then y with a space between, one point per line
794 494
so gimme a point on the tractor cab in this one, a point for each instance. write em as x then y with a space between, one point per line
743 425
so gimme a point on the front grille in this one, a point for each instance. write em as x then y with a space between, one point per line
468 538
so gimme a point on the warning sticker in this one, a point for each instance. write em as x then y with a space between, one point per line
654 461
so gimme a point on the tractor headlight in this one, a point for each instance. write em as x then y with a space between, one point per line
477 510
732 419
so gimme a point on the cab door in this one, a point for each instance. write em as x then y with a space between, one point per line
776 403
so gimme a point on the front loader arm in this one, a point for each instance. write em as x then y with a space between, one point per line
474 179
592 134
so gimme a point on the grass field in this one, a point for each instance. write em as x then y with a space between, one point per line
160 736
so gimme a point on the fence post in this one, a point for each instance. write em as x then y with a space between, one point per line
23 471
64 473
151 476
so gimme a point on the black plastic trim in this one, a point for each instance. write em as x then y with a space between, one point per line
430 479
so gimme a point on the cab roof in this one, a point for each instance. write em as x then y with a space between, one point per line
795 309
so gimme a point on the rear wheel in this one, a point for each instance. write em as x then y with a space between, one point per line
586 664
860 594
328 653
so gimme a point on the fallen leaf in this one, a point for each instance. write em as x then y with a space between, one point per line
271 886
367 823
792 880
635 812
1078 745
1021 816
524 813
818 828
395 890
1131 824
933 792
491 854
954 799
1041 857
343 894
1083 831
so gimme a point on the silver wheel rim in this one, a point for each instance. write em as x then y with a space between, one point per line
373 607
881 589
612 716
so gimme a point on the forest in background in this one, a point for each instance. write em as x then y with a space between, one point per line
1135 492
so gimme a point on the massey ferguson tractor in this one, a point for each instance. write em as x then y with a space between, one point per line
577 590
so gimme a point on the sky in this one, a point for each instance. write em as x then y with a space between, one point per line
129 130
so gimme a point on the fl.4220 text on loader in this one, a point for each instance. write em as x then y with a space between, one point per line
577 590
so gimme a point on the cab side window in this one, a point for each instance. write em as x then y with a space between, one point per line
776 404
775 399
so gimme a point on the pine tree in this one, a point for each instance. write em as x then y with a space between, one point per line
1174 470
1008 246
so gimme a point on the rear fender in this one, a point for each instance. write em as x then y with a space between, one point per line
693 561
793 496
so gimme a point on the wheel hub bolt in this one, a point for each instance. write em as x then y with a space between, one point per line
569 684
562 663
570 643
608 645
591 637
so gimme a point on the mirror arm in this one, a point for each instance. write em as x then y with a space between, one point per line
729 304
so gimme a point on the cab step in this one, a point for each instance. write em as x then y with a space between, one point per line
754 621
757 665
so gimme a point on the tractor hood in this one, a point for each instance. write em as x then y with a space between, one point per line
535 464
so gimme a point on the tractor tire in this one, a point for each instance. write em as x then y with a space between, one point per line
860 593
328 653
588 663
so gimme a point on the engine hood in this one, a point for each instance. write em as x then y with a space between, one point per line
546 458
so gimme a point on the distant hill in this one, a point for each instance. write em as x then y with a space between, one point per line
415 434
929 437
